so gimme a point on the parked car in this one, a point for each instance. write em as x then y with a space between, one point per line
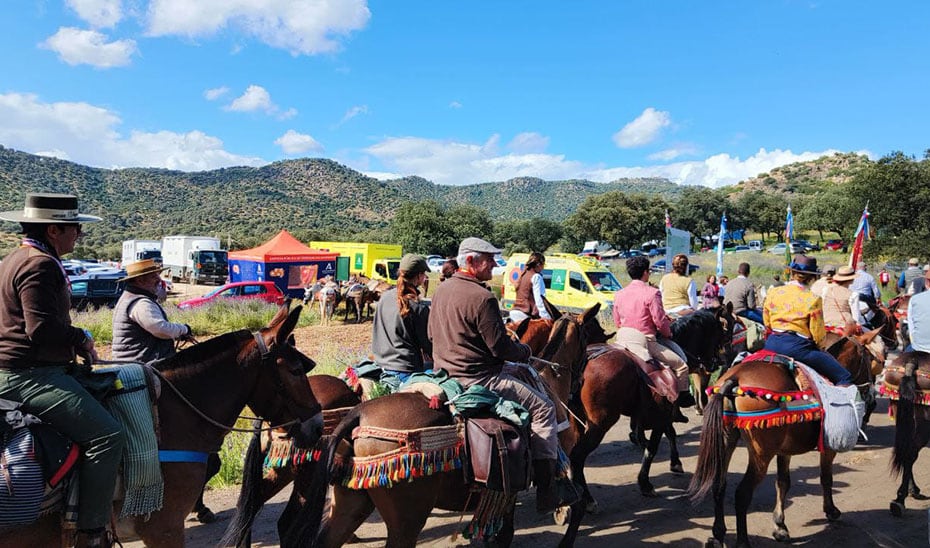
834 245
656 252
808 246
632 253
755 245
779 248
265 291
97 286
434 262
741 249
659 266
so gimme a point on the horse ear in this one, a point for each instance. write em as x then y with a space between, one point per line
868 336
589 313
522 326
287 327
279 317
729 306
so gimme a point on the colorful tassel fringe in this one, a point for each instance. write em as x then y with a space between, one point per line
488 518
766 394
400 465
773 418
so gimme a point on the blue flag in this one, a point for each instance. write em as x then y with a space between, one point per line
720 238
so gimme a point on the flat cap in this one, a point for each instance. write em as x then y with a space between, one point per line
477 245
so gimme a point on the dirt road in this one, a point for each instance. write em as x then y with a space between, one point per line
863 489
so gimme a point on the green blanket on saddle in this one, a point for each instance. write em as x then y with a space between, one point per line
473 401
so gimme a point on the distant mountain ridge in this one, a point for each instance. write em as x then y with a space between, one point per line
314 198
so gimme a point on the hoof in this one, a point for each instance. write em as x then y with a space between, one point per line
917 495
677 468
781 535
649 492
593 507
562 515
897 509
833 514
713 543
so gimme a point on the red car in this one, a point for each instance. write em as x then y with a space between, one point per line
834 245
266 291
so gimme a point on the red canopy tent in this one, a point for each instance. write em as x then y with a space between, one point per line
284 260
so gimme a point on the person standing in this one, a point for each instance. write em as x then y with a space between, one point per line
865 285
531 290
884 277
640 320
679 294
400 342
471 345
710 293
38 346
795 317
741 293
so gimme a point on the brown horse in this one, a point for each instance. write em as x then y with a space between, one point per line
405 506
204 388
907 381
718 441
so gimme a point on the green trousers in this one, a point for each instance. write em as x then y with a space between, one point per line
60 401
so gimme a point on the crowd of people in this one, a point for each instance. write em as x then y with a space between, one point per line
460 332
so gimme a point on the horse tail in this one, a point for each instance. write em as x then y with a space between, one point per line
905 423
250 502
306 525
712 453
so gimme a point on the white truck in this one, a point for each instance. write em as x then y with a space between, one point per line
195 259
137 250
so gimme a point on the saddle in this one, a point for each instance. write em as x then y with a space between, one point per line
895 371
660 379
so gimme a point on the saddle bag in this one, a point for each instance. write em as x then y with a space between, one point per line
499 454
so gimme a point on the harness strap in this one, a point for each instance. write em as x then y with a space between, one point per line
182 456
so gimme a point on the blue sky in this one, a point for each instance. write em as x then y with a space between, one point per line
466 92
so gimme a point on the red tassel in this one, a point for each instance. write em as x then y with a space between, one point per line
434 402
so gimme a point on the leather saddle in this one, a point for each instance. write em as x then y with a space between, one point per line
896 370
499 454
660 380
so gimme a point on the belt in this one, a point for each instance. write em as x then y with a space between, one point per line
795 333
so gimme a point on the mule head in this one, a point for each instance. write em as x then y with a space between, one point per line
872 341
726 319
282 393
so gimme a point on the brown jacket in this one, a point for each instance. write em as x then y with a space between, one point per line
526 301
469 339
35 311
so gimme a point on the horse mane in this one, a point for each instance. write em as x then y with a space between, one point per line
702 317
199 357
556 336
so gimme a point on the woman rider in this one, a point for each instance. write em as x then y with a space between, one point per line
795 316
530 291
679 294
399 341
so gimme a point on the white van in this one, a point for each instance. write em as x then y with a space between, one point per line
755 245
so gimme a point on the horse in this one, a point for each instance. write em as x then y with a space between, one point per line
328 298
907 381
355 295
718 441
406 505
204 388
706 337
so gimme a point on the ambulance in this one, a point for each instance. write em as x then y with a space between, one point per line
573 283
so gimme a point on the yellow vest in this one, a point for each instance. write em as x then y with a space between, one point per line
793 308
674 289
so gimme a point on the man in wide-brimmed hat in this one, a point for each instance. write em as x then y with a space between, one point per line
795 316
38 346
141 330
841 312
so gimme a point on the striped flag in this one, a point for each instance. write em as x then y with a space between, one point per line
789 235
720 239
668 220
862 234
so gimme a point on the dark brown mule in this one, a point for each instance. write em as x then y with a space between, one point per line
908 382
406 506
356 299
260 484
718 441
218 378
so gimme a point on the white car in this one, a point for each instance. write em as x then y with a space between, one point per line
435 262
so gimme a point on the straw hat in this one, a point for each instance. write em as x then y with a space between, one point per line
141 268
42 208
845 274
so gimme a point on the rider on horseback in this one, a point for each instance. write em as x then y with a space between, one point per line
531 290
795 316
679 294
38 346
638 314
742 294
841 313
399 340
471 345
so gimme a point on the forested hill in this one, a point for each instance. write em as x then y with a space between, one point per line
310 197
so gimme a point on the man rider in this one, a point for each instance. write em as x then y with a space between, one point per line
471 345
38 346
911 280
741 293
918 318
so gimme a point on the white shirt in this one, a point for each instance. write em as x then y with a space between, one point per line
539 291
918 321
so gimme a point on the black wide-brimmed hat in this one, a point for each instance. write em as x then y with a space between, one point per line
49 208
804 265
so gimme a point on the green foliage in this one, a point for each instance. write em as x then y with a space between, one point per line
624 220
526 236
421 227
699 210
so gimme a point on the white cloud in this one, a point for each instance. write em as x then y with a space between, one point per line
75 47
455 104
300 26
297 143
643 130
89 135
98 13
215 93
684 149
529 141
257 99
353 112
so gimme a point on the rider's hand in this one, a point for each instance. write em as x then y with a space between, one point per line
86 349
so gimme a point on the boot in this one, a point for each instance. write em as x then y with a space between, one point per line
547 494
678 416
685 399
93 538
